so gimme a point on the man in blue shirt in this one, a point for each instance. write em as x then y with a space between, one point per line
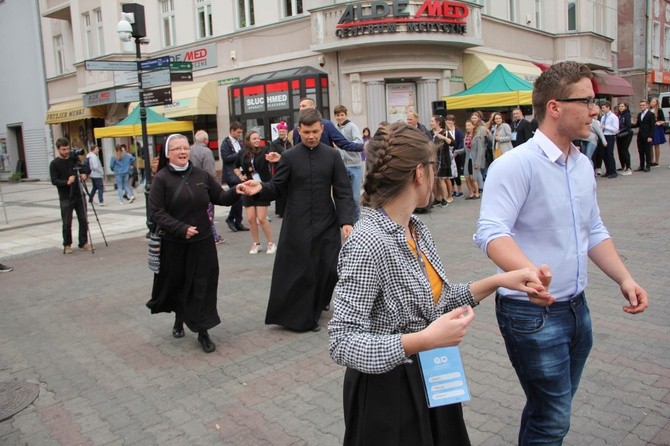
330 133
541 212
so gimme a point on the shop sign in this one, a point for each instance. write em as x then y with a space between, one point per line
202 57
99 98
228 81
660 77
379 17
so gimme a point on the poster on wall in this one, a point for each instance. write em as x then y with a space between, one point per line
400 100
5 162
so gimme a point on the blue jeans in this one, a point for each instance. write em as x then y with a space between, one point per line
355 174
548 347
122 186
588 148
97 186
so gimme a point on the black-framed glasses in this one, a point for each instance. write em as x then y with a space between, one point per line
589 101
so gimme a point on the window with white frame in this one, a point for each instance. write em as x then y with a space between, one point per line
656 40
59 54
666 42
292 7
99 31
600 17
572 16
168 22
88 35
245 13
203 14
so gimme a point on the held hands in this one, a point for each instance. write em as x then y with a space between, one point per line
250 187
272 157
346 230
636 295
449 329
191 231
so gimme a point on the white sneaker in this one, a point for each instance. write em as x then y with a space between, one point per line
122 202
255 248
626 172
102 204
132 198
272 248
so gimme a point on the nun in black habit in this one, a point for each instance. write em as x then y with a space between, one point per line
314 181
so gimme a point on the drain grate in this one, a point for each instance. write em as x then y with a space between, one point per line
15 396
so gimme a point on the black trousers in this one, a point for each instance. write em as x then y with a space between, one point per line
610 164
644 150
235 213
622 145
67 205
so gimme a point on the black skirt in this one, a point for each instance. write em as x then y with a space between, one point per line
187 283
391 409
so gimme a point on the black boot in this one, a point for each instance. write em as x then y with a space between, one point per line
178 328
207 345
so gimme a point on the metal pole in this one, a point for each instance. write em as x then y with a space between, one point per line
145 137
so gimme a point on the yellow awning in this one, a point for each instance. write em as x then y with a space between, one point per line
476 66
505 99
73 111
190 99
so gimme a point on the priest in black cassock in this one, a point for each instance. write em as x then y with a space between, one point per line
314 181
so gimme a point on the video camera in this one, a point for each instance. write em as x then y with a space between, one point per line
74 153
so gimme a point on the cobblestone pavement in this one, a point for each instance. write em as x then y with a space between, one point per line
110 373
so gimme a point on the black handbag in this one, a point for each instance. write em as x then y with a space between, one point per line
154 251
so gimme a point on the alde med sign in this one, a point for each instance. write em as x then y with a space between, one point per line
379 17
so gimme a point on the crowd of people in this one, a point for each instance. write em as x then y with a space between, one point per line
348 225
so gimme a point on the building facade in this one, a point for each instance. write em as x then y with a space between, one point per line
381 59
24 137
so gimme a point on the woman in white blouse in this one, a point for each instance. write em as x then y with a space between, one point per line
393 303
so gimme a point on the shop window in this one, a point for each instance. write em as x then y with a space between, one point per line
292 7
203 13
59 54
168 20
572 16
245 13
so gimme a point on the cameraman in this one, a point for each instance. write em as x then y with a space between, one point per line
63 176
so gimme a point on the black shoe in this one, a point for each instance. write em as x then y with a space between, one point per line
620 169
315 328
646 169
177 332
639 169
207 345
326 308
614 175
231 225
241 227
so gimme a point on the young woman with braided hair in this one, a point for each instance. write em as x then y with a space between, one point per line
394 301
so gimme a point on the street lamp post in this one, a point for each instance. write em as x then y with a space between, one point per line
133 26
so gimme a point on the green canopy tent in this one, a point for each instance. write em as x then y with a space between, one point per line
499 89
131 126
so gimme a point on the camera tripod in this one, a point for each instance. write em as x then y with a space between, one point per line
83 191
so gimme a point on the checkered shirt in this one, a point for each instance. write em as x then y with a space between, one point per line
382 293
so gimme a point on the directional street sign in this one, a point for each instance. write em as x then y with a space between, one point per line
160 96
125 77
156 78
181 77
150 64
110 65
127 94
181 66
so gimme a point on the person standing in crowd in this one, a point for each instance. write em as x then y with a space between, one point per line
203 158
366 135
501 136
188 278
389 306
330 136
352 160
455 136
475 133
588 146
252 164
443 187
658 137
120 165
319 202
280 145
413 120
610 126
97 175
548 336
646 125
63 173
481 130
231 146
624 138
522 130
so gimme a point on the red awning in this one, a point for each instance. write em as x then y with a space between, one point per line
605 84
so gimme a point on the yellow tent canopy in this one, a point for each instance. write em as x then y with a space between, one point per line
131 126
499 89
